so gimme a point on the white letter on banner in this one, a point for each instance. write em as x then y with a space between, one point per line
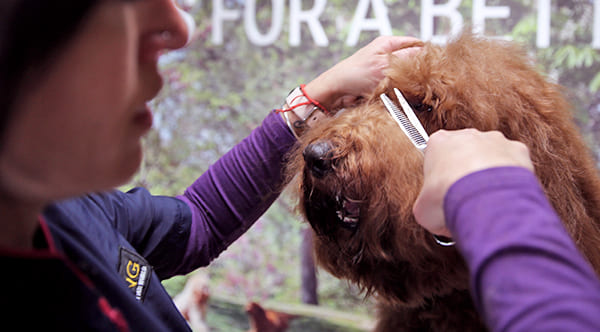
543 24
429 10
481 12
596 25
381 21
219 15
311 17
252 32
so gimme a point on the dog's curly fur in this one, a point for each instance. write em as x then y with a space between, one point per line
358 176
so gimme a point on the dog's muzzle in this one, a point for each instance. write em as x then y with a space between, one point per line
318 158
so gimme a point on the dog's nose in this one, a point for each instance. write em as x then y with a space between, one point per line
318 158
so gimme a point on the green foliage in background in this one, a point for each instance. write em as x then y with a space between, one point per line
216 94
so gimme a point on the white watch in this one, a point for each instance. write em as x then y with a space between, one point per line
308 114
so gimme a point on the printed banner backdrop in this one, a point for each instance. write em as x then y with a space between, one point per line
248 54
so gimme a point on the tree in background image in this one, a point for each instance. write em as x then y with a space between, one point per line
217 92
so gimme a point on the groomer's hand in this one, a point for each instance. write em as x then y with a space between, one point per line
356 76
449 156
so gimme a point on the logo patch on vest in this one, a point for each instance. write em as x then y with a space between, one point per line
135 271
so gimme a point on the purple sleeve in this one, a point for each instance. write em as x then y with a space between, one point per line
526 273
235 191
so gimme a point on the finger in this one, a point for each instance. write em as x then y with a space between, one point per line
394 43
407 52
430 215
443 232
439 136
418 210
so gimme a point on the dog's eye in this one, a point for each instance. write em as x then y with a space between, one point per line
422 107
348 213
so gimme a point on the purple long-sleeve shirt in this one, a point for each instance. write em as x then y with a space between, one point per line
228 198
526 273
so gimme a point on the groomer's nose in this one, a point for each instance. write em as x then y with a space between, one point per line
168 27
190 25
178 26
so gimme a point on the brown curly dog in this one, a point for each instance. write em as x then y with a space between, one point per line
358 176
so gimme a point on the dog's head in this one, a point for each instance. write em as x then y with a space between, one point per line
358 175
359 178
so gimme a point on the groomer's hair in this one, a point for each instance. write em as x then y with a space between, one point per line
32 32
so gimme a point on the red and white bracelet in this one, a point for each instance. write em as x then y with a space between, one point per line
307 111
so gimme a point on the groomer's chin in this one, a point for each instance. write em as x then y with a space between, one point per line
130 166
121 169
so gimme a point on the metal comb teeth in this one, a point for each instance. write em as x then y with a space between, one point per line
412 127
407 127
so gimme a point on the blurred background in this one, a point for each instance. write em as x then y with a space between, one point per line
245 58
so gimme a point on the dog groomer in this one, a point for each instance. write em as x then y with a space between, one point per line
526 273
75 79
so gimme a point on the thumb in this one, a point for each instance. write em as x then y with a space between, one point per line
429 213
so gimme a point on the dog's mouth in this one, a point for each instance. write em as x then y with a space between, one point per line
348 212
331 215
327 206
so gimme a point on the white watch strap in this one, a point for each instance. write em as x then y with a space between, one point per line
309 113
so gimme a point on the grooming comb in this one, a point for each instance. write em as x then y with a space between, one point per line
406 119
412 127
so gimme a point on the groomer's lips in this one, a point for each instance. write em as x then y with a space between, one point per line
153 83
143 118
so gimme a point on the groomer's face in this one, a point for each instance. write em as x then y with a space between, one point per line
79 128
